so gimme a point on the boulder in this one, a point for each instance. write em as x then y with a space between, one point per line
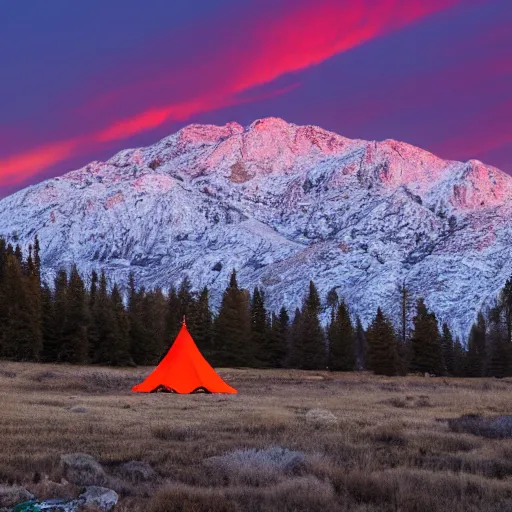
82 469
100 497
136 471
12 495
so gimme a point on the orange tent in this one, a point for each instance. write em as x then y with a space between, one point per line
183 370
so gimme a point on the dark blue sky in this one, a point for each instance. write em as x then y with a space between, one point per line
82 80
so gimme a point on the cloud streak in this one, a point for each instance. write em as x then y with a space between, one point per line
302 36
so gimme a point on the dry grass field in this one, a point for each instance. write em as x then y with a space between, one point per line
290 441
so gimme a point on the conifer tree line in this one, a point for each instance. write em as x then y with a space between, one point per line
77 321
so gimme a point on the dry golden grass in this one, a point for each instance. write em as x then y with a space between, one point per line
391 448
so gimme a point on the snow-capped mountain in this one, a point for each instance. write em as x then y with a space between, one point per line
282 204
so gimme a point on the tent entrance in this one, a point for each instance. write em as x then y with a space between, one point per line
165 389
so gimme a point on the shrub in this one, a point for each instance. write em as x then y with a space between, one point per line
44 376
498 427
8 374
320 417
258 467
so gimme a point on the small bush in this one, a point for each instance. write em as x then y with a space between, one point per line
8 374
397 402
423 401
435 443
390 434
44 376
258 467
319 417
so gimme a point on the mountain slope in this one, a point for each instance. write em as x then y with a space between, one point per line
282 204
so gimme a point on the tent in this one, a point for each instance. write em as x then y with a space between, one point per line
183 370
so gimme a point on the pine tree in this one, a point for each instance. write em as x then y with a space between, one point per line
277 348
174 315
200 322
310 343
74 345
55 318
93 289
404 313
476 354
232 327
361 346
294 356
459 359
92 327
425 342
448 349
505 304
155 311
21 339
382 346
33 289
119 346
3 299
37 258
137 332
102 322
342 355
260 330
185 298
499 356
505 315
50 348
19 255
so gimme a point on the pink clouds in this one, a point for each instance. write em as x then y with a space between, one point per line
302 36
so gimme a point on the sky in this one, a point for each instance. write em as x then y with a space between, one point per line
80 81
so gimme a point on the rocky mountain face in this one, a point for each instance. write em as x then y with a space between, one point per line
282 204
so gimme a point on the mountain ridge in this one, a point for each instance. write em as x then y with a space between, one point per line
282 204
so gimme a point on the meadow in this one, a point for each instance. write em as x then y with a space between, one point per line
289 441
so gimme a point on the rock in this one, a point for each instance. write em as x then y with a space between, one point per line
82 469
136 471
12 495
101 497
78 408
321 417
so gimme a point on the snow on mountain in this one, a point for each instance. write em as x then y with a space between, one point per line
282 204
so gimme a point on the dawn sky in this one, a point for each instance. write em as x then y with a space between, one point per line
81 80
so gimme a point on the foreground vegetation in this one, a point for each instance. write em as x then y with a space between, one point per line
319 440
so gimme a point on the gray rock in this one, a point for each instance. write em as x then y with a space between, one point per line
12 495
101 497
82 469
136 471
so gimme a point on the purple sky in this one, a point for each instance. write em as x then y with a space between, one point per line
82 80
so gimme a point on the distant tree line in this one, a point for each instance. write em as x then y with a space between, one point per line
75 322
